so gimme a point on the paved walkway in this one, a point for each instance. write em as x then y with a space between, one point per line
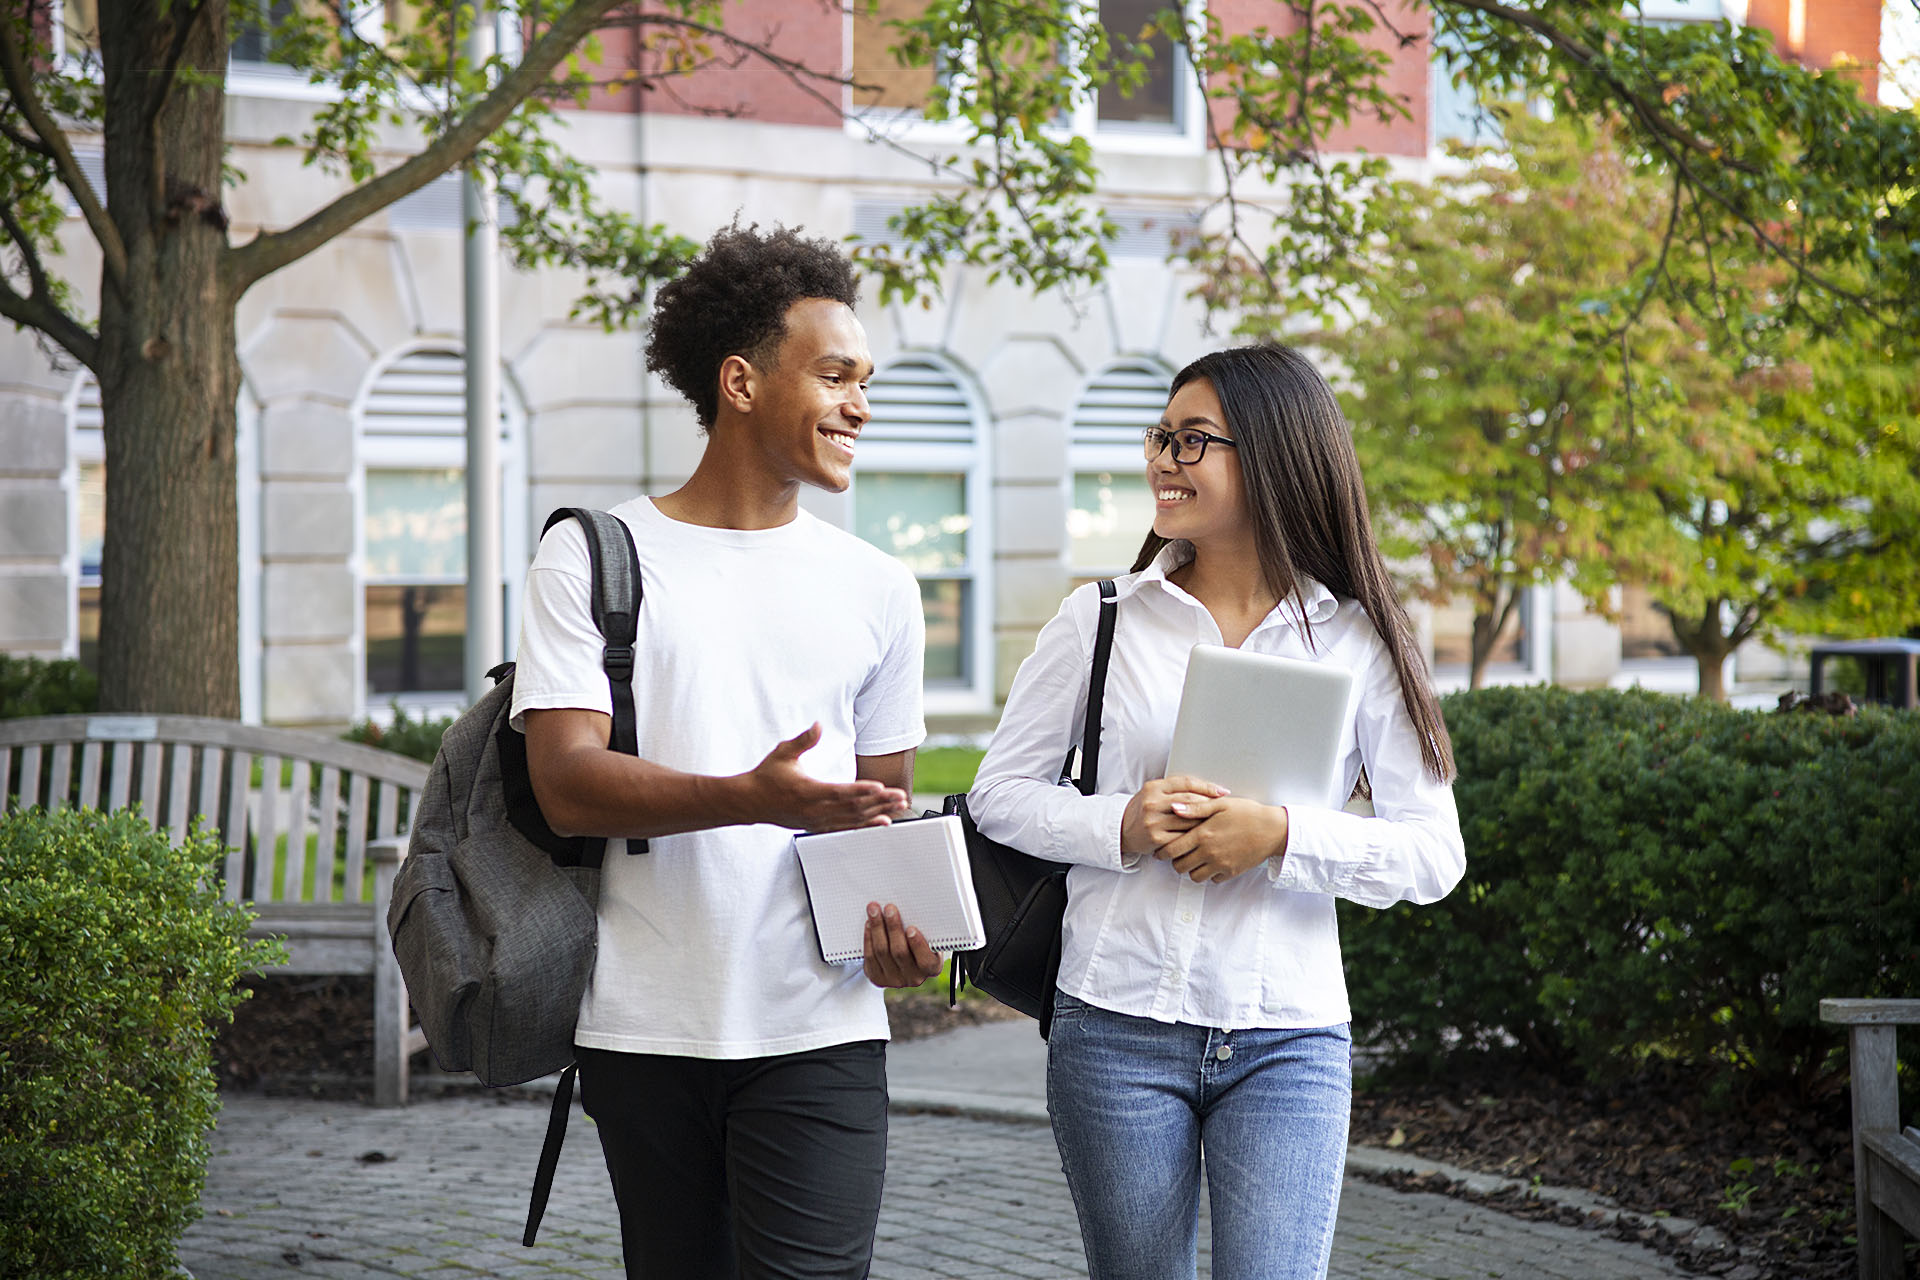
974 1189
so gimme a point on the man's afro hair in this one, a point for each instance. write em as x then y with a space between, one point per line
733 300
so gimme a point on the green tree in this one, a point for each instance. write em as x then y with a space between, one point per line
1785 495
1762 149
1484 409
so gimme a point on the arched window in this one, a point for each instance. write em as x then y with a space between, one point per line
1110 510
413 530
920 492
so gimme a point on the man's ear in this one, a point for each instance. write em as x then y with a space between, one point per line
737 383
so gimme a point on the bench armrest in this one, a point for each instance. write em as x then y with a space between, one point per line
389 850
1857 1013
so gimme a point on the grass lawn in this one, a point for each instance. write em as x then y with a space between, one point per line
942 771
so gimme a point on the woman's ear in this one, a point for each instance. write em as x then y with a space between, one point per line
736 383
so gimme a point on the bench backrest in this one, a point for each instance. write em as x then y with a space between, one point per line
295 809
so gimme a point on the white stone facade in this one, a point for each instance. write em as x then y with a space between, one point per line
585 425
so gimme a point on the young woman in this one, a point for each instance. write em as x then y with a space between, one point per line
1201 1006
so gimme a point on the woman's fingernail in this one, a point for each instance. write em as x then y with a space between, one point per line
1180 809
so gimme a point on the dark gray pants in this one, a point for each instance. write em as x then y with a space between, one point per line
743 1169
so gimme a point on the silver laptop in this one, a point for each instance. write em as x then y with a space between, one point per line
1263 727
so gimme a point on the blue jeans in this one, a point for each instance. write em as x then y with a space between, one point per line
1136 1102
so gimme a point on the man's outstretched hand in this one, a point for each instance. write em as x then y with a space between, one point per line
782 793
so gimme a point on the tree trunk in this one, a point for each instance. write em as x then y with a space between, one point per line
1708 645
169 377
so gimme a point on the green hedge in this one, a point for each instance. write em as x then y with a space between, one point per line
408 737
1655 876
117 958
36 687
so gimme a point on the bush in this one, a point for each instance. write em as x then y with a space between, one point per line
417 738
1655 876
117 956
35 687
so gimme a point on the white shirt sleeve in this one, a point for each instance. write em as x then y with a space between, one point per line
557 664
888 714
1016 798
1411 850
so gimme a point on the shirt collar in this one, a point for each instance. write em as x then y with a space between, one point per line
1314 601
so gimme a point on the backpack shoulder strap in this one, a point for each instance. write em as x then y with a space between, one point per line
616 610
1097 690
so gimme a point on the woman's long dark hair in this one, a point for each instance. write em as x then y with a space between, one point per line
1310 508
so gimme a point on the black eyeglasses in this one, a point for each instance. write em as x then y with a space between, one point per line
1189 444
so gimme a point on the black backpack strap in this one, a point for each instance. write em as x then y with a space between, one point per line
1097 691
616 612
550 1151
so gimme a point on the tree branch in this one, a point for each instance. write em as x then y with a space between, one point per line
269 252
13 69
1591 60
39 311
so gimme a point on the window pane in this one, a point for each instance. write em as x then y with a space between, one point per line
1453 635
1645 632
1112 512
1156 101
417 524
880 79
90 628
918 517
80 27
93 518
945 602
416 639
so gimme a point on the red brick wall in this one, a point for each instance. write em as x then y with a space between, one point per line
1834 29
811 32
1406 78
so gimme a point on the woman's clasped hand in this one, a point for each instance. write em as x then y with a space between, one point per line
1204 831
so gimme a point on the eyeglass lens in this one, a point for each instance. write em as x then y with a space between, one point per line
1188 446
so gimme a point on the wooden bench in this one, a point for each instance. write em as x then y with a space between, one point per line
1886 1159
313 826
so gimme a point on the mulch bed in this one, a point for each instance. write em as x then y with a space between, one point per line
1774 1177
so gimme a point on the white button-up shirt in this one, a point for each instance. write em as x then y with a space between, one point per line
1262 949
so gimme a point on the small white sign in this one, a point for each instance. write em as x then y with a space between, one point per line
123 728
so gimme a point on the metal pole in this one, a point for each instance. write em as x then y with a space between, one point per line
485 644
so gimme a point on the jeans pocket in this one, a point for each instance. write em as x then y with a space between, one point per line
1068 1008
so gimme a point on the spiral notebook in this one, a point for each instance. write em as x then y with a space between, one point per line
919 865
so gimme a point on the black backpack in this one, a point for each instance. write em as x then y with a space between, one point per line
493 916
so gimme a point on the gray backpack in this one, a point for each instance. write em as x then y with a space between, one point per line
493 915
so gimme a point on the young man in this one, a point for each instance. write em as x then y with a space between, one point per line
738 1082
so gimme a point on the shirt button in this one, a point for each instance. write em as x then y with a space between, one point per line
1224 1052
1186 917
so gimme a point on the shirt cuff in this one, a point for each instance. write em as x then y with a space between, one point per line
1102 834
1313 861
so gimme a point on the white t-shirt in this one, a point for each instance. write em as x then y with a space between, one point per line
746 637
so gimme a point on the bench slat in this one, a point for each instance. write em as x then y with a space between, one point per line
294 886
152 766
89 776
356 835
119 779
207 807
29 776
234 829
179 783
329 825
1893 1177
266 826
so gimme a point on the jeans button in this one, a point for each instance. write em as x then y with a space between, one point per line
1224 1052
